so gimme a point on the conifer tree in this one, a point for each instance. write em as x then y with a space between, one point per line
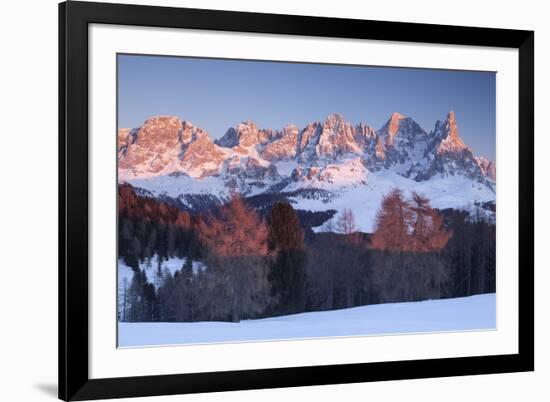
287 273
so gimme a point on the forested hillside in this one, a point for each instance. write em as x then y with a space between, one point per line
269 262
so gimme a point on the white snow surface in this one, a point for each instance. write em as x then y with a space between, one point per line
174 185
446 315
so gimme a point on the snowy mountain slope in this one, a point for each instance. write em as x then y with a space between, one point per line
446 315
348 166
364 197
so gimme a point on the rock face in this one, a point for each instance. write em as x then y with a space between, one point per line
283 147
246 135
252 160
403 143
166 145
489 168
337 139
449 154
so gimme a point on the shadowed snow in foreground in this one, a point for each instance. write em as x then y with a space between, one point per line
459 314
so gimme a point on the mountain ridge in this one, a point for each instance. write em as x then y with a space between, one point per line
400 143
330 164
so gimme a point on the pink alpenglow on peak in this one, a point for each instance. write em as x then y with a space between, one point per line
452 142
488 167
246 154
327 164
337 137
246 135
164 145
284 147
393 126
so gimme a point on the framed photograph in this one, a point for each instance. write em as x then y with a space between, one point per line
257 201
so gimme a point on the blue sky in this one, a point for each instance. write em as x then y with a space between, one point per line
216 94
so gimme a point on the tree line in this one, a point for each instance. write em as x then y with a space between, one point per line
264 266
149 227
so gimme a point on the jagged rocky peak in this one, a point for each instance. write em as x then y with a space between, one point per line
364 133
151 126
337 137
370 142
402 128
336 126
164 122
187 125
229 139
284 147
308 139
448 154
400 145
201 152
488 167
334 120
245 135
394 122
447 133
392 126
157 138
123 138
166 144
451 118
291 129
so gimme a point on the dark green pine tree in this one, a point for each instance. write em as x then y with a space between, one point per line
137 303
132 255
187 268
287 273
151 308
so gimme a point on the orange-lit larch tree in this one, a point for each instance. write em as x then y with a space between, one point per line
408 225
236 250
393 223
406 248
428 231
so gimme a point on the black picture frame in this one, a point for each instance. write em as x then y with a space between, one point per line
74 18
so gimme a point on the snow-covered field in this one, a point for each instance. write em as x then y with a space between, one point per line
460 314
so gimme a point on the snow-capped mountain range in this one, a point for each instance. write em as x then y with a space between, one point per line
327 165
